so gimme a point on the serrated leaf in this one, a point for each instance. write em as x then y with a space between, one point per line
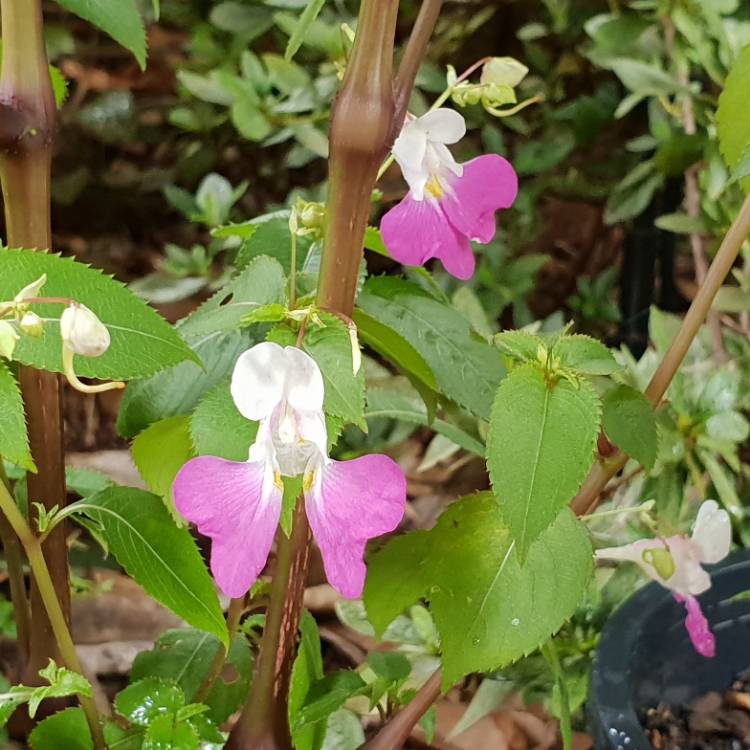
468 371
262 282
733 114
630 423
306 19
160 451
165 733
327 695
65 729
162 558
118 18
141 702
186 655
218 429
489 609
539 448
520 345
143 343
272 238
585 355
14 439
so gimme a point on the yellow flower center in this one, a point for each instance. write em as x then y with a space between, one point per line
434 188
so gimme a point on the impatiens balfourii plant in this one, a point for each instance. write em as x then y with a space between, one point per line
244 408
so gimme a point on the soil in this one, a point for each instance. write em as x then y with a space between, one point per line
711 722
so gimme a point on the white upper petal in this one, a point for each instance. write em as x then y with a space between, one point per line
304 388
443 125
712 532
259 379
410 146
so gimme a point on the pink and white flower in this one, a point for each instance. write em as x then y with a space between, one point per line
448 204
676 562
238 504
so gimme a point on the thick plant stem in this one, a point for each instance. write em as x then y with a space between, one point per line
264 723
393 735
25 166
55 614
588 496
361 127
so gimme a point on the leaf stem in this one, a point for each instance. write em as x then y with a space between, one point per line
234 614
603 470
55 613
393 735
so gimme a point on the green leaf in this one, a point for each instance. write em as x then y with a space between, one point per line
468 371
218 429
66 729
630 423
391 345
539 448
14 439
143 343
328 695
307 669
141 702
249 120
160 451
165 733
186 655
309 14
728 425
331 348
343 731
162 558
273 238
585 355
520 345
118 18
489 609
408 407
733 114
644 78
389 665
262 282
681 224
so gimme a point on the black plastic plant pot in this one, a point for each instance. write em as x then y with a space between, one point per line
645 657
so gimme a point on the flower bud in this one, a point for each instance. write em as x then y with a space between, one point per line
8 339
312 215
32 325
504 71
82 332
32 290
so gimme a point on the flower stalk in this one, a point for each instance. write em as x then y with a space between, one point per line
25 173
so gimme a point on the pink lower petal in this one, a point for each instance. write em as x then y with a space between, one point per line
352 502
488 184
224 500
702 638
415 231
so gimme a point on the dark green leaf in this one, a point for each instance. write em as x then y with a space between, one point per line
307 669
141 702
118 18
66 729
630 423
143 343
327 695
468 371
734 112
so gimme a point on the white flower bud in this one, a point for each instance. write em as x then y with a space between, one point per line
82 332
504 71
32 324
8 339
32 290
